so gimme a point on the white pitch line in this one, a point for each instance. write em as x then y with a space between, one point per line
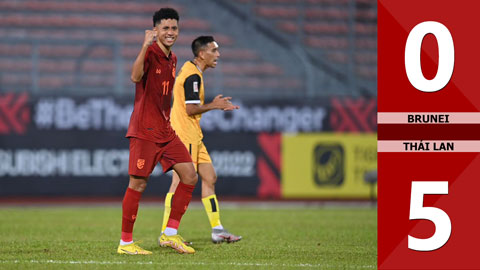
306 265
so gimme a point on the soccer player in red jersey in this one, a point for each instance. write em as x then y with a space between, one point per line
151 136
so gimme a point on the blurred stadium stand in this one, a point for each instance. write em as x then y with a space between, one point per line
269 48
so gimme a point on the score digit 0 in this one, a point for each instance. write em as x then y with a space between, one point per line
446 59
446 56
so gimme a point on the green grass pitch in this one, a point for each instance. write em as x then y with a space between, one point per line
273 238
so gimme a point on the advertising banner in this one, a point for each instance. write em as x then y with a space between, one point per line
76 145
328 165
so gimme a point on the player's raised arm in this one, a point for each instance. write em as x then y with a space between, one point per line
218 103
137 69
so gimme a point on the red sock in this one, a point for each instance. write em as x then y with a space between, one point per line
129 210
180 202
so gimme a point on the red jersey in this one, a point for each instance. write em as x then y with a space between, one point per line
150 118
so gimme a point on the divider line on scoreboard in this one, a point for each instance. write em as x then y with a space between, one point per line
438 117
443 146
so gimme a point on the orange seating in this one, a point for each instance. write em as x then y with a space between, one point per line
92 28
277 12
327 27
109 7
327 42
97 21
328 13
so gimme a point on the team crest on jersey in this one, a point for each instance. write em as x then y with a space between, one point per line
173 71
140 163
195 86
158 71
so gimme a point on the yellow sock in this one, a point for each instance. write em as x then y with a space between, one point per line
213 211
168 208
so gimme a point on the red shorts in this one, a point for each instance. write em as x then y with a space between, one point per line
144 155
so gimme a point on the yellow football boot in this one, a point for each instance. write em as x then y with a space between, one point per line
176 242
132 249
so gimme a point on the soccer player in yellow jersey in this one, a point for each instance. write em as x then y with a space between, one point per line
188 107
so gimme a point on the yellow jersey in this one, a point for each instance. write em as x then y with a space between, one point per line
188 89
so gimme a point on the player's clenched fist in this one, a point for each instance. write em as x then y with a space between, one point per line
150 36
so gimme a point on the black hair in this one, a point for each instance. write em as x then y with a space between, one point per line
199 43
165 14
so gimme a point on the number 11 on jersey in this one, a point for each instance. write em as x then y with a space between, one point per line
165 85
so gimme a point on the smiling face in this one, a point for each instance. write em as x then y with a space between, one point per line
167 33
210 54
